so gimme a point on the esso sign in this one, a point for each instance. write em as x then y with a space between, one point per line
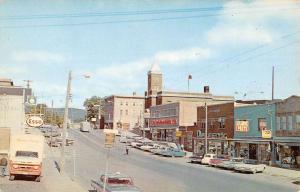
34 121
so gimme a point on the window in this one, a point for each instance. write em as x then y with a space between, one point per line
283 123
126 112
289 122
121 103
126 103
262 124
221 121
212 123
121 112
278 123
202 124
297 121
133 103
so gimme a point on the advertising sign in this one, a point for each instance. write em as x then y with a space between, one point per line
241 126
163 122
266 134
178 133
110 135
34 121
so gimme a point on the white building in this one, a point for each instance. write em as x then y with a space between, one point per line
124 112
12 111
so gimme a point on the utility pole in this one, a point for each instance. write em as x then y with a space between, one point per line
272 83
52 124
28 83
65 124
206 128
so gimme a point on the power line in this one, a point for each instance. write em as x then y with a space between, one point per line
130 20
130 13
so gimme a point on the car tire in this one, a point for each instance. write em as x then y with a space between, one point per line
253 172
12 177
38 179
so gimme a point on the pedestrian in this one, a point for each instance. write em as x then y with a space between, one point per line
127 150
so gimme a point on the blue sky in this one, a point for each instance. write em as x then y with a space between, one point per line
229 45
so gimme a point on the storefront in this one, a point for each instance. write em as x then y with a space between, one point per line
219 146
288 154
259 150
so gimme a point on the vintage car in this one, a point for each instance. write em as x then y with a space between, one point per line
207 157
196 158
249 166
230 164
114 182
219 159
172 152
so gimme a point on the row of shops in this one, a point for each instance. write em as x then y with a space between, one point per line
251 131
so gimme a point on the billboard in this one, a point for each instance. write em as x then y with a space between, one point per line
241 126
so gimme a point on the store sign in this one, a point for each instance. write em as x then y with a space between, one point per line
34 121
178 133
110 135
266 134
163 122
241 126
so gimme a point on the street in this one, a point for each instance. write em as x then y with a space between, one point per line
154 173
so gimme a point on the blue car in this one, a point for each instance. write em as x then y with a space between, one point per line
173 152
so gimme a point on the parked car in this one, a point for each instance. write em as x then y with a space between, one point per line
208 157
172 152
249 166
68 141
159 150
219 159
196 159
115 182
230 164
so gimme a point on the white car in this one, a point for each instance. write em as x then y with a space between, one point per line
207 157
249 166
148 146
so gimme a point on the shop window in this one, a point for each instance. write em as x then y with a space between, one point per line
298 121
278 123
262 124
283 123
289 122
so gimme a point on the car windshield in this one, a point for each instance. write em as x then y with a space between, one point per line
27 154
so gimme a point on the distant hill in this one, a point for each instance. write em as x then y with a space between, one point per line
75 115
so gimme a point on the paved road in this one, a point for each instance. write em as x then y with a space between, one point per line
154 174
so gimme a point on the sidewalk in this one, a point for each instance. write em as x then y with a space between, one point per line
287 173
54 181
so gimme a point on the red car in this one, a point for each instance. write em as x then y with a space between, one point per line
218 160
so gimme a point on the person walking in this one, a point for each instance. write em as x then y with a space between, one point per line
127 150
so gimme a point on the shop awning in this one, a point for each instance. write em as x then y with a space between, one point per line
160 128
254 141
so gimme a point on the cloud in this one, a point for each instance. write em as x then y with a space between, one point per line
247 34
245 22
40 57
177 56
8 71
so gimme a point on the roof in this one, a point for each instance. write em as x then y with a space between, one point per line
155 69
124 96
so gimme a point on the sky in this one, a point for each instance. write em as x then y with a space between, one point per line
229 45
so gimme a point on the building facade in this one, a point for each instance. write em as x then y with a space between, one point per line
124 112
254 131
12 106
220 128
287 138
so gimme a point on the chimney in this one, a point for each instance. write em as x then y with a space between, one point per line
146 93
206 89
134 93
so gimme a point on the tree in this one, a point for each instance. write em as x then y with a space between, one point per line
92 107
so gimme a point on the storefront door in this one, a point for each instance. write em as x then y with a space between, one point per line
252 151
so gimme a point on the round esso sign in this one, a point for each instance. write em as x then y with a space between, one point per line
34 121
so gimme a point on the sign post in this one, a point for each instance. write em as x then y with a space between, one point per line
266 134
109 141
